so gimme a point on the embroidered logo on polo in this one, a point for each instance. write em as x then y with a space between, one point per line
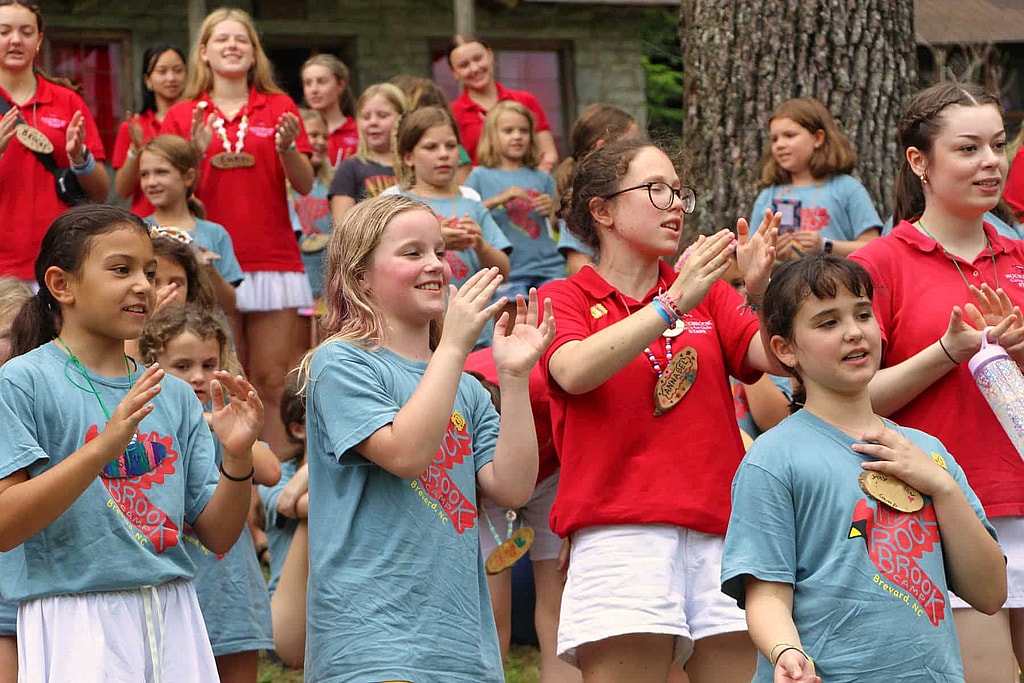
54 121
129 497
895 541
262 131
436 483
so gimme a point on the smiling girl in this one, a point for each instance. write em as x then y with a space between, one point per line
325 88
251 142
399 439
805 171
953 170
163 81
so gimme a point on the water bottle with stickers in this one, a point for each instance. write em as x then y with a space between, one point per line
1002 385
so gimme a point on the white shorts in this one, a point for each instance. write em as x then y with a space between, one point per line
1010 531
272 291
534 515
153 634
645 579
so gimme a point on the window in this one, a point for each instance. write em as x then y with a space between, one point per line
98 66
539 72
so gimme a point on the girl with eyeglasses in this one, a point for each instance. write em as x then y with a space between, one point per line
805 173
644 423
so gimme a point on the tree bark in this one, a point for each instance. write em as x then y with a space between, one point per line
741 59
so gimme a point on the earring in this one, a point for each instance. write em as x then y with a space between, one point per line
924 179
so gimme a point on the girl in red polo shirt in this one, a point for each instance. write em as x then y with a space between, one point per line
44 117
163 81
472 65
325 89
251 140
644 423
940 251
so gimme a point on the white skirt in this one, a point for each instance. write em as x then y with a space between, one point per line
153 634
264 290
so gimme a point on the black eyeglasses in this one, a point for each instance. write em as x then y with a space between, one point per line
662 194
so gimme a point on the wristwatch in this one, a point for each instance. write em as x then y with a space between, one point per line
826 246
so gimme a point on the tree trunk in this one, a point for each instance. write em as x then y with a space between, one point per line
741 59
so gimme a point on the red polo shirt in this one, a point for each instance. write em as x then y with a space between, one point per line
252 203
150 129
482 361
28 194
620 463
469 116
343 142
1014 192
916 287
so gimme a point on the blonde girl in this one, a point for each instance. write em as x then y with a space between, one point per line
370 172
325 87
518 194
104 462
251 142
168 174
398 440
190 343
805 173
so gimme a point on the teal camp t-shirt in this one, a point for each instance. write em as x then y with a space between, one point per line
397 589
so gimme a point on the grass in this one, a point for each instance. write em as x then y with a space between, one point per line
523 666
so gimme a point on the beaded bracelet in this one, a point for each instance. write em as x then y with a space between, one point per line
671 304
247 477
661 310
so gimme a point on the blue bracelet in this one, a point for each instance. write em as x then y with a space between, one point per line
88 167
663 312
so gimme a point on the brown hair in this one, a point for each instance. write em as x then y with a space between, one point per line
182 156
65 245
489 150
460 39
170 322
200 76
835 155
921 123
346 100
200 290
410 128
390 92
598 175
598 124
818 275
40 26
420 92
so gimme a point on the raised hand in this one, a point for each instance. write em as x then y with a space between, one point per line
236 423
755 254
516 352
7 124
169 293
134 130
287 129
707 260
470 307
201 132
75 139
961 340
124 422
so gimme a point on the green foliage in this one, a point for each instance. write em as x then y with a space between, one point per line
663 68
